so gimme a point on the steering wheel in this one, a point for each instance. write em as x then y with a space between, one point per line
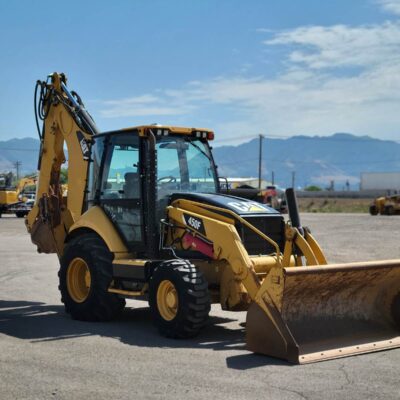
168 178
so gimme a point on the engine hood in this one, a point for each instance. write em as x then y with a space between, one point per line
240 206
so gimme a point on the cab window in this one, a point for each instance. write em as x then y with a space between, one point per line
120 194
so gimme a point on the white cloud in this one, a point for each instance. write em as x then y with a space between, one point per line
340 45
392 6
146 105
144 99
334 79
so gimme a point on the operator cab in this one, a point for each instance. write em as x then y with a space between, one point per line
135 171
6 181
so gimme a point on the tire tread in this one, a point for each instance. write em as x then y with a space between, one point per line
193 296
100 305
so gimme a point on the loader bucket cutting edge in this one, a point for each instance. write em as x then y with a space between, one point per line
328 312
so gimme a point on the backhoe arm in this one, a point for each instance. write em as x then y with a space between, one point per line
65 121
24 182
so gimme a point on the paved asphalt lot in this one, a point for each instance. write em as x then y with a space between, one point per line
46 355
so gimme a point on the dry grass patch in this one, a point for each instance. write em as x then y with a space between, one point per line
333 205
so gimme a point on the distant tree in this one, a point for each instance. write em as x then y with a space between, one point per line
63 175
312 188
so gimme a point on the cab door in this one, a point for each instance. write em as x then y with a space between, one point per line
121 187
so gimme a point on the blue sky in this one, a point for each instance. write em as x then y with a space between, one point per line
240 67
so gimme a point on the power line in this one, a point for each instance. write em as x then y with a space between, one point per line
336 163
314 162
358 139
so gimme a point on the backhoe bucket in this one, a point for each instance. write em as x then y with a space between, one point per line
315 313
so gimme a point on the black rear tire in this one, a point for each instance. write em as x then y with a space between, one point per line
373 210
193 299
20 214
100 305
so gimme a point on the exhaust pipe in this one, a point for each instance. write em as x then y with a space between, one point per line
293 209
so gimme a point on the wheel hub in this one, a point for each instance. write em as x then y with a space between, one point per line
78 280
167 300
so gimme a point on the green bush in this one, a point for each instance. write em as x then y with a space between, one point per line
312 188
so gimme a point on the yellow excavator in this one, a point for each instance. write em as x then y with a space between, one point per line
144 219
13 199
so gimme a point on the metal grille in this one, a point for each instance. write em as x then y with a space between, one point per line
272 226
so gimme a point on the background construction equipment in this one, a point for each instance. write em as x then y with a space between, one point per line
387 205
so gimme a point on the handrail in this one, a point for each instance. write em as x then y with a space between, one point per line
244 222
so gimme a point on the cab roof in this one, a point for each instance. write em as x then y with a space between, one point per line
166 130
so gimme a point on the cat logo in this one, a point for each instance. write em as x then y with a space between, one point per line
84 145
256 208
247 206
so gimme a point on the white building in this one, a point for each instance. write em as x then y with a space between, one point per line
380 181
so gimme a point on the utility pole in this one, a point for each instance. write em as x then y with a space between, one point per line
273 178
260 160
293 178
17 165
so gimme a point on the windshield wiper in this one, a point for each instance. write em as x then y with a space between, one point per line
198 148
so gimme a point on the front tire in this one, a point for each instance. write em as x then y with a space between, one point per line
85 276
389 210
179 299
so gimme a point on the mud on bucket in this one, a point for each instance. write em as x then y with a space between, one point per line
327 312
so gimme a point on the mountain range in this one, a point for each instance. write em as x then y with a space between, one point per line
314 160
23 150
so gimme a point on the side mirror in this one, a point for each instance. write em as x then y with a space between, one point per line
225 185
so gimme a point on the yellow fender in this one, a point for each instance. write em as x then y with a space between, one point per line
96 220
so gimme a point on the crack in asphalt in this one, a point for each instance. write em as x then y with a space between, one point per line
298 393
342 369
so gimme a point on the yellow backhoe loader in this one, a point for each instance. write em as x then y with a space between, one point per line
143 218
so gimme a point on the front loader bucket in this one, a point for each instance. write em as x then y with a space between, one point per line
315 313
